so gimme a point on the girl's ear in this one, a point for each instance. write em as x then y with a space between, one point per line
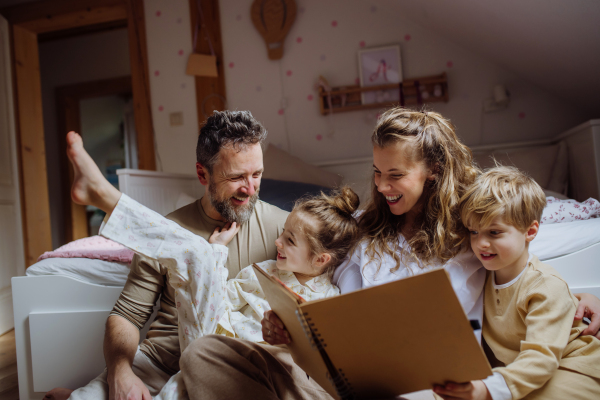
532 231
432 173
321 260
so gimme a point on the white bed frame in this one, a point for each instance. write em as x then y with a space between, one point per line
59 321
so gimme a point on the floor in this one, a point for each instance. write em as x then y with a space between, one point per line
9 386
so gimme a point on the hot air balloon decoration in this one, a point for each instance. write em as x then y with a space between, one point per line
273 20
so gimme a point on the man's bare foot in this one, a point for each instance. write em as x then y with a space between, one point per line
58 394
90 187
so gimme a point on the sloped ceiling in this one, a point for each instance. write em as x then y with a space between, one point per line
554 44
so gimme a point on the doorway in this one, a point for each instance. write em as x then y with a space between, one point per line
27 23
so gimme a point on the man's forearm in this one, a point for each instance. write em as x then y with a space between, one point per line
121 340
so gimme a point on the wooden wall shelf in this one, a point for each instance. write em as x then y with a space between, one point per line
348 98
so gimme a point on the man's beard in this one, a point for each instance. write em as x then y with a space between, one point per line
231 213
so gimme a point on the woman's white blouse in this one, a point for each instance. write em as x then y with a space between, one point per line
466 275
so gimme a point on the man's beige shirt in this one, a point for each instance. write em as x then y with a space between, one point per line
147 280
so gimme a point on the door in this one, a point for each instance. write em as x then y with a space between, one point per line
12 254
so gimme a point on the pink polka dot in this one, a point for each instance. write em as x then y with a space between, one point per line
309 97
334 23
357 81
259 88
180 52
280 111
407 37
521 115
160 108
158 13
231 65
449 64
319 137
362 43
156 73
179 20
183 85
289 72
299 39
323 57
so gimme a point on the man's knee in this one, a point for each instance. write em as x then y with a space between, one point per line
200 348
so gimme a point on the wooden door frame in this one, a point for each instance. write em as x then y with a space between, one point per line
27 22
68 109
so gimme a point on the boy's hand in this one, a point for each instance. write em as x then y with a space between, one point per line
589 306
224 235
273 329
475 390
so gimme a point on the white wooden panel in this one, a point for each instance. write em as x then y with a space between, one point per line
66 348
580 269
158 191
52 294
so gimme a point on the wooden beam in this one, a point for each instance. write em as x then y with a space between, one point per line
74 19
51 9
140 83
36 210
210 92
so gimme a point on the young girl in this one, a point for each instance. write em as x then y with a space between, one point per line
318 234
528 319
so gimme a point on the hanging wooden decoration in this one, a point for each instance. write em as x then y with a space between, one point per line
273 20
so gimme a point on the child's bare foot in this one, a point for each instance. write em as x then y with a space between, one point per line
89 185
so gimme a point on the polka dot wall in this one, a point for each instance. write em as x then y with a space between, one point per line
324 41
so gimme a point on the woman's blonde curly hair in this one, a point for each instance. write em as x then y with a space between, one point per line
438 228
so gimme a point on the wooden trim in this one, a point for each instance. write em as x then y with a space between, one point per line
210 92
32 150
140 83
53 9
90 16
67 106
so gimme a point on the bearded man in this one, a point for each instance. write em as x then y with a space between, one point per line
230 164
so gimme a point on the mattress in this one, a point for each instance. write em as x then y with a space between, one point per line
87 270
555 240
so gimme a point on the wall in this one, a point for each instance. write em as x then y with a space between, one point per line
169 38
324 41
63 62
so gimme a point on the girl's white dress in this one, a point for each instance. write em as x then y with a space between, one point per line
206 302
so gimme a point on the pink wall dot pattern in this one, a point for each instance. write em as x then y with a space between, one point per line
309 97
362 43
334 23
407 37
160 108
280 111
180 52
299 39
319 137
288 72
521 115
156 73
231 65
449 64
158 13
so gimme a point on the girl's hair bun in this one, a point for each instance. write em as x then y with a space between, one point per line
346 200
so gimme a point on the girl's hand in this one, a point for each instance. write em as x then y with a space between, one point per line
475 390
273 330
589 306
224 235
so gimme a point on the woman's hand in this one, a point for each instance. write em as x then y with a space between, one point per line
224 235
475 390
589 306
273 329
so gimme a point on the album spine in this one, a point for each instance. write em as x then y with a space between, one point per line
336 376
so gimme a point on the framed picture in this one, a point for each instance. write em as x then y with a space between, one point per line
380 66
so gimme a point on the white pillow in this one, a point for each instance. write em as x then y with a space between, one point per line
283 166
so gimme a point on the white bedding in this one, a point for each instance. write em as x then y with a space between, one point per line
87 270
555 240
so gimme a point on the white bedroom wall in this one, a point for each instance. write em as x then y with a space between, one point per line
325 39
78 59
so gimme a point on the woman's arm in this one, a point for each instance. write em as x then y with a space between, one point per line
589 307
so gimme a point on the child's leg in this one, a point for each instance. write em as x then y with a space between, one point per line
195 267
89 185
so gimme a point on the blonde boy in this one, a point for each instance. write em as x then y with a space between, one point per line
528 308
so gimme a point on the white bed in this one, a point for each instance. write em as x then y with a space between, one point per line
59 319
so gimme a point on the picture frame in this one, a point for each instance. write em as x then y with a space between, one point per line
380 66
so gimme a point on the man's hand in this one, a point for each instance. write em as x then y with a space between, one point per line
589 306
125 385
224 235
475 390
273 329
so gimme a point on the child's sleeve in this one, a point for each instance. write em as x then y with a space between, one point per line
548 311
